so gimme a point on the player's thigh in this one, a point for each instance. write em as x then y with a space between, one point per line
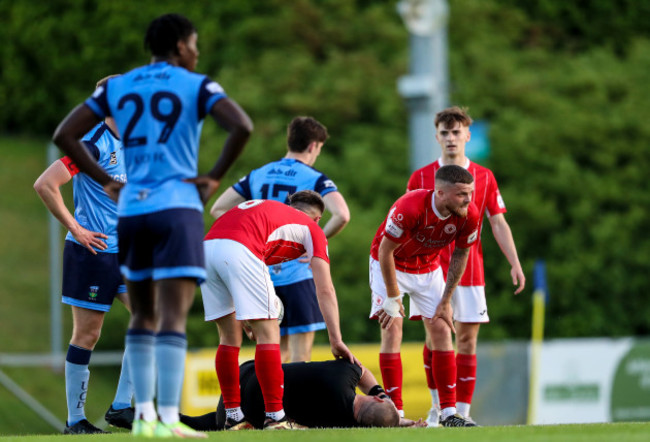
90 281
470 305
248 281
425 292
216 295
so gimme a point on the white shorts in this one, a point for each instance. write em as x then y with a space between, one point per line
424 290
469 304
237 281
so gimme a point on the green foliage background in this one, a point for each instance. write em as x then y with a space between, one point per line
562 84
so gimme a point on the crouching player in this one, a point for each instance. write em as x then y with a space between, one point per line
238 248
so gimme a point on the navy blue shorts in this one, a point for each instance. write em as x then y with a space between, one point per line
162 245
90 281
301 311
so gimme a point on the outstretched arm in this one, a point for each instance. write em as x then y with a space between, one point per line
329 308
503 235
336 205
48 187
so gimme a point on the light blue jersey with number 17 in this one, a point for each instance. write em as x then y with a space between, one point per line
159 110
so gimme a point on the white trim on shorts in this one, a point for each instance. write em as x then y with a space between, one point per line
424 290
237 281
469 304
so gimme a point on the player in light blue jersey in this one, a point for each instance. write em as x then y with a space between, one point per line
91 274
159 110
293 280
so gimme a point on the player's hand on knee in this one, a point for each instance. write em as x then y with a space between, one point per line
445 313
392 308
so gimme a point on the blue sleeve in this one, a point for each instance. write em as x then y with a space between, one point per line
209 93
324 185
98 102
243 187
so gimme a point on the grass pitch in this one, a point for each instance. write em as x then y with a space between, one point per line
627 432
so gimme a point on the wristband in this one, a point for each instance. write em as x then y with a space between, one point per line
392 306
376 390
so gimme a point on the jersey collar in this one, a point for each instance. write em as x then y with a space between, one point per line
466 165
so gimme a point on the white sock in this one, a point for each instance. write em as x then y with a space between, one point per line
235 414
435 399
446 412
146 411
463 408
168 414
401 413
275 415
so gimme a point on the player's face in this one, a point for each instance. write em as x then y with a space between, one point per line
452 139
458 198
188 52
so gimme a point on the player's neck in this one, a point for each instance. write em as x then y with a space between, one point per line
303 157
170 60
457 160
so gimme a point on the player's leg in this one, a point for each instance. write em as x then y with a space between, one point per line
390 359
466 339
268 368
470 311
121 412
86 327
426 292
302 317
227 368
89 287
433 417
301 345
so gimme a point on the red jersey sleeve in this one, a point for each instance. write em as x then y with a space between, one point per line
468 234
70 165
320 242
403 217
494 203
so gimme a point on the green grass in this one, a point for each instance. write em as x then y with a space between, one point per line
629 432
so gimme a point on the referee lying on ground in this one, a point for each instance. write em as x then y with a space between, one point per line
316 394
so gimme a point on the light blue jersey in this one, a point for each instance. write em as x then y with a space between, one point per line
276 181
94 210
159 110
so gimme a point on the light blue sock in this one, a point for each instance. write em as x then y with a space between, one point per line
140 357
171 348
76 382
124 392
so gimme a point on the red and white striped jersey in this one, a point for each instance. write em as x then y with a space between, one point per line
487 200
273 231
414 222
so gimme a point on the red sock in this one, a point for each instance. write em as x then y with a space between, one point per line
466 380
390 365
427 357
444 371
268 368
227 364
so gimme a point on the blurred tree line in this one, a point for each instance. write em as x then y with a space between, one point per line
563 85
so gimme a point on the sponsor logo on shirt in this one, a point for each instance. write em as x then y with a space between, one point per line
328 183
393 229
98 92
471 238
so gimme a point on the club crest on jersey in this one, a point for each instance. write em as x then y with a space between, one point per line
93 291
113 160
449 229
